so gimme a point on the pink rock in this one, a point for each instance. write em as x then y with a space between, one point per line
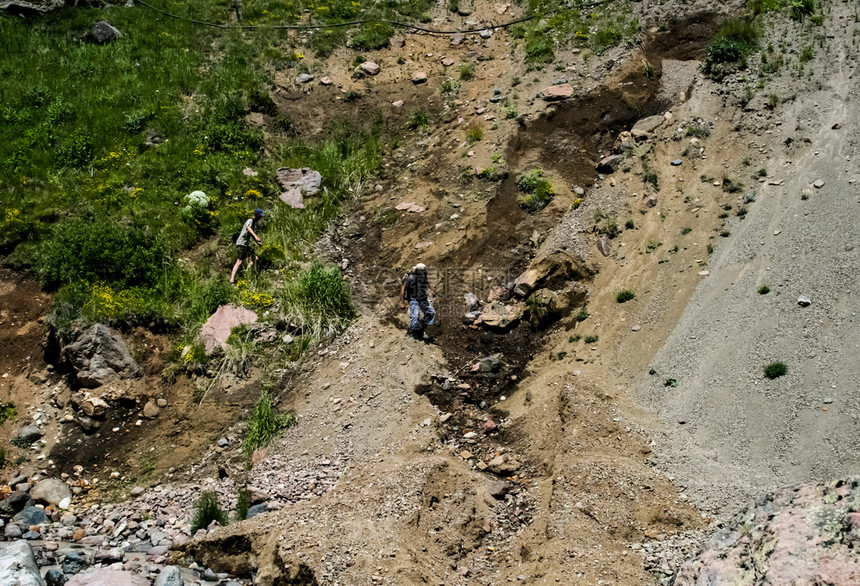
410 207
370 68
558 92
397 42
326 80
419 77
107 577
457 39
447 62
216 330
298 183
489 425
604 245
397 103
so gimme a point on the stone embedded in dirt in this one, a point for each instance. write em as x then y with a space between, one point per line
369 67
162 403
87 424
298 183
644 128
410 207
93 406
818 183
29 434
498 489
604 245
99 356
804 301
559 266
498 293
419 77
485 33
557 92
457 39
51 490
471 301
610 164
447 62
18 565
676 163
104 32
503 465
15 502
326 80
54 577
806 534
151 410
304 78
489 364
216 330
107 577
651 201
489 425
750 197
12 531
501 316
397 103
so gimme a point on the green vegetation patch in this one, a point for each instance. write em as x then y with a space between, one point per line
265 425
536 188
625 296
206 510
775 370
735 40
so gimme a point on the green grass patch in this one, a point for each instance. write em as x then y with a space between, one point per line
775 370
206 510
624 296
7 412
763 290
591 339
265 425
536 188
466 71
735 40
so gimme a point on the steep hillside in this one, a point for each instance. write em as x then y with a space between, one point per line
619 209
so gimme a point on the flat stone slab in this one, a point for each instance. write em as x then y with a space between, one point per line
297 184
216 330
557 92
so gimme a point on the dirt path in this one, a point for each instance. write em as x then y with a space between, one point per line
730 432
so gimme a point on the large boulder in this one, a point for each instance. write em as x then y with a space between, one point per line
807 534
36 5
551 271
643 129
298 183
100 356
216 330
107 577
104 32
51 490
169 576
497 315
15 502
18 565
31 516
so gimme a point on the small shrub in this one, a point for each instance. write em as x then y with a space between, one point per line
418 119
625 296
474 132
449 87
731 186
772 101
320 299
574 338
352 96
670 382
591 339
725 234
466 71
7 412
735 40
491 174
265 425
802 8
606 223
206 510
243 503
510 111
763 290
629 224
697 130
583 314
775 370
806 55
538 190
539 49
686 230
372 36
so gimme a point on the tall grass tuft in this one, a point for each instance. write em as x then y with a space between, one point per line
265 425
206 510
319 299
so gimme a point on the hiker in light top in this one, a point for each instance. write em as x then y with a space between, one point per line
243 243
414 290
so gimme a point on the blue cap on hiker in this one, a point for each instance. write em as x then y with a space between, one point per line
259 212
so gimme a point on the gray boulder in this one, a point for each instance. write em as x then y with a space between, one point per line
257 509
643 129
36 5
489 364
15 502
74 561
18 565
55 578
29 434
51 490
100 356
169 576
104 32
31 516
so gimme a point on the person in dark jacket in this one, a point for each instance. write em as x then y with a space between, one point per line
414 293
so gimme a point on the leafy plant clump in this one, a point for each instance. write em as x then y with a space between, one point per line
265 425
775 370
763 290
418 119
206 510
243 503
7 412
591 339
735 40
537 190
625 296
